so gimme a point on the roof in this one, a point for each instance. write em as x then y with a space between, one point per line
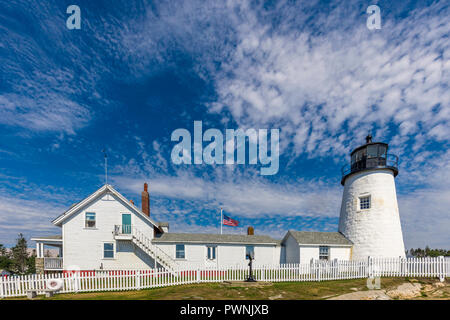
163 224
215 238
100 192
311 237
56 237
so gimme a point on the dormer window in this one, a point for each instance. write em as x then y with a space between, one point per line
90 220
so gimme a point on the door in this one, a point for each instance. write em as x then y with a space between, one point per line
126 223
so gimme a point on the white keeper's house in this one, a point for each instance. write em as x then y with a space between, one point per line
107 231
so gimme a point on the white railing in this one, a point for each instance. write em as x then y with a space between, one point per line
53 263
411 267
142 241
117 280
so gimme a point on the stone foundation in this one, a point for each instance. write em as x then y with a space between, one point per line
39 263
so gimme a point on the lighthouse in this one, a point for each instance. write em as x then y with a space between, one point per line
369 211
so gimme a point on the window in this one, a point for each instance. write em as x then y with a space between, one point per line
179 251
372 151
211 252
353 158
361 154
324 253
108 250
90 220
382 151
249 250
364 203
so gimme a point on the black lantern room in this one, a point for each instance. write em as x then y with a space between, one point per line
371 155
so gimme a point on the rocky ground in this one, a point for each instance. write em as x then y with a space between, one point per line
411 290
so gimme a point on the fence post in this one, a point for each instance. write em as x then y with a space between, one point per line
2 295
76 281
137 281
318 270
443 271
198 275
369 267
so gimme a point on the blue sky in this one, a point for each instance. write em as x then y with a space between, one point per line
138 70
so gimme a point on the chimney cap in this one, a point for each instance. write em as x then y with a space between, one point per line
145 186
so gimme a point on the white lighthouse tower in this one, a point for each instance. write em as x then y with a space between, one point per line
369 211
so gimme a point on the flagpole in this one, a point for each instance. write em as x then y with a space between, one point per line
106 166
221 220
106 169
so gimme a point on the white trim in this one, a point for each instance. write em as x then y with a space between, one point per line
114 250
95 221
63 249
46 239
364 195
184 251
104 189
214 247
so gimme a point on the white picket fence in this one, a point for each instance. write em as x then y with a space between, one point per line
118 280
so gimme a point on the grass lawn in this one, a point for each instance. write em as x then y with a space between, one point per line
219 291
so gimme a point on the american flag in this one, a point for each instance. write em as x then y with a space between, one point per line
230 222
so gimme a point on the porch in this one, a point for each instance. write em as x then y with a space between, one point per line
45 262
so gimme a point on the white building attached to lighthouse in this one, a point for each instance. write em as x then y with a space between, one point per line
107 231
369 212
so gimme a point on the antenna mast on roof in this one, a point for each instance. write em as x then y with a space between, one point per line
106 166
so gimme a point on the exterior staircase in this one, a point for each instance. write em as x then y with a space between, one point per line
122 232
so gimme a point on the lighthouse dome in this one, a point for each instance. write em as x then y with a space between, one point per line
371 155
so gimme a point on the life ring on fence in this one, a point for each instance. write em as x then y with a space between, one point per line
54 284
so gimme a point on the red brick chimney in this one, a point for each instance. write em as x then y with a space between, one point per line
146 200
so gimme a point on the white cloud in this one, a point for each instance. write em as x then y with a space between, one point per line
425 218
51 78
425 202
249 196
50 113
314 86
30 217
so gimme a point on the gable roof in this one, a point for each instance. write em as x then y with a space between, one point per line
97 194
311 237
214 238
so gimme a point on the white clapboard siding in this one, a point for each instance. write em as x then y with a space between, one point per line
118 280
